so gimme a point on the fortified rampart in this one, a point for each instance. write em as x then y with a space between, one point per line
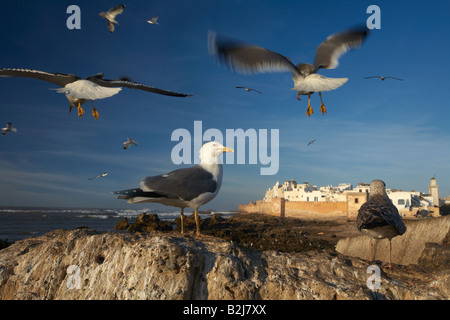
320 209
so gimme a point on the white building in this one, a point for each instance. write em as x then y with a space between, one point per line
293 191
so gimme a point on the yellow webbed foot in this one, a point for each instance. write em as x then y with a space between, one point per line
80 112
309 111
323 109
95 113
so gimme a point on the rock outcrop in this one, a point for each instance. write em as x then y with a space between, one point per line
85 264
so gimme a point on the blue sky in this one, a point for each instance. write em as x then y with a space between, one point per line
397 131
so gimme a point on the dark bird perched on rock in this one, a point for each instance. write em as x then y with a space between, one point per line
378 218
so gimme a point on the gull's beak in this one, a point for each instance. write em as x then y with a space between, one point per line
225 149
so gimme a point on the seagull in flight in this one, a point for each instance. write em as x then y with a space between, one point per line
104 174
383 78
78 91
249 89
128 143
248 58
154 20
110 16
311 142
8 128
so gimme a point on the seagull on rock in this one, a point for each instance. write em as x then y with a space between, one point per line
378 218
78 91
247 58
8 128
110 16
182 188
128 143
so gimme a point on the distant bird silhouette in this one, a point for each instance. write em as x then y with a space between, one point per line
311 142
128 143
383 78
78 91
8 128
110 16
154 20
249 89
247 58
378 218
104 174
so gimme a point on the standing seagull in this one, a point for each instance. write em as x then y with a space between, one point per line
383 78
378 218
247 58
128 143
248 89
110 16
8 128
154 20
189 187
78 91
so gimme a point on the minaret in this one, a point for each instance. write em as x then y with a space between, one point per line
433 190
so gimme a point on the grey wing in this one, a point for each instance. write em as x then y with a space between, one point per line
372 215
98 79
110 26
245 58
330 50
394 78
116 10
184 184
60 79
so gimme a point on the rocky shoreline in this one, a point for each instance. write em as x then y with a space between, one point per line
245 257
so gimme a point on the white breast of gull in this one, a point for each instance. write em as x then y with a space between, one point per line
188 187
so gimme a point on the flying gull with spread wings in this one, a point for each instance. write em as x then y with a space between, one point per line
101 175
383 78
182 188
110 16
248 89
128 143
8 128
153 20
378 218
78 91
247 58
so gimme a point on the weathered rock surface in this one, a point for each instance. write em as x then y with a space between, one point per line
85 264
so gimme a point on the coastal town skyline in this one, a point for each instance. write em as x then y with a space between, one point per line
392 130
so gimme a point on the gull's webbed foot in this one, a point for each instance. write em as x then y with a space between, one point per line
95 113
80 110
323 109
309 111
322 106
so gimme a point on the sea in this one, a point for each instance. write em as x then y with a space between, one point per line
17 223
